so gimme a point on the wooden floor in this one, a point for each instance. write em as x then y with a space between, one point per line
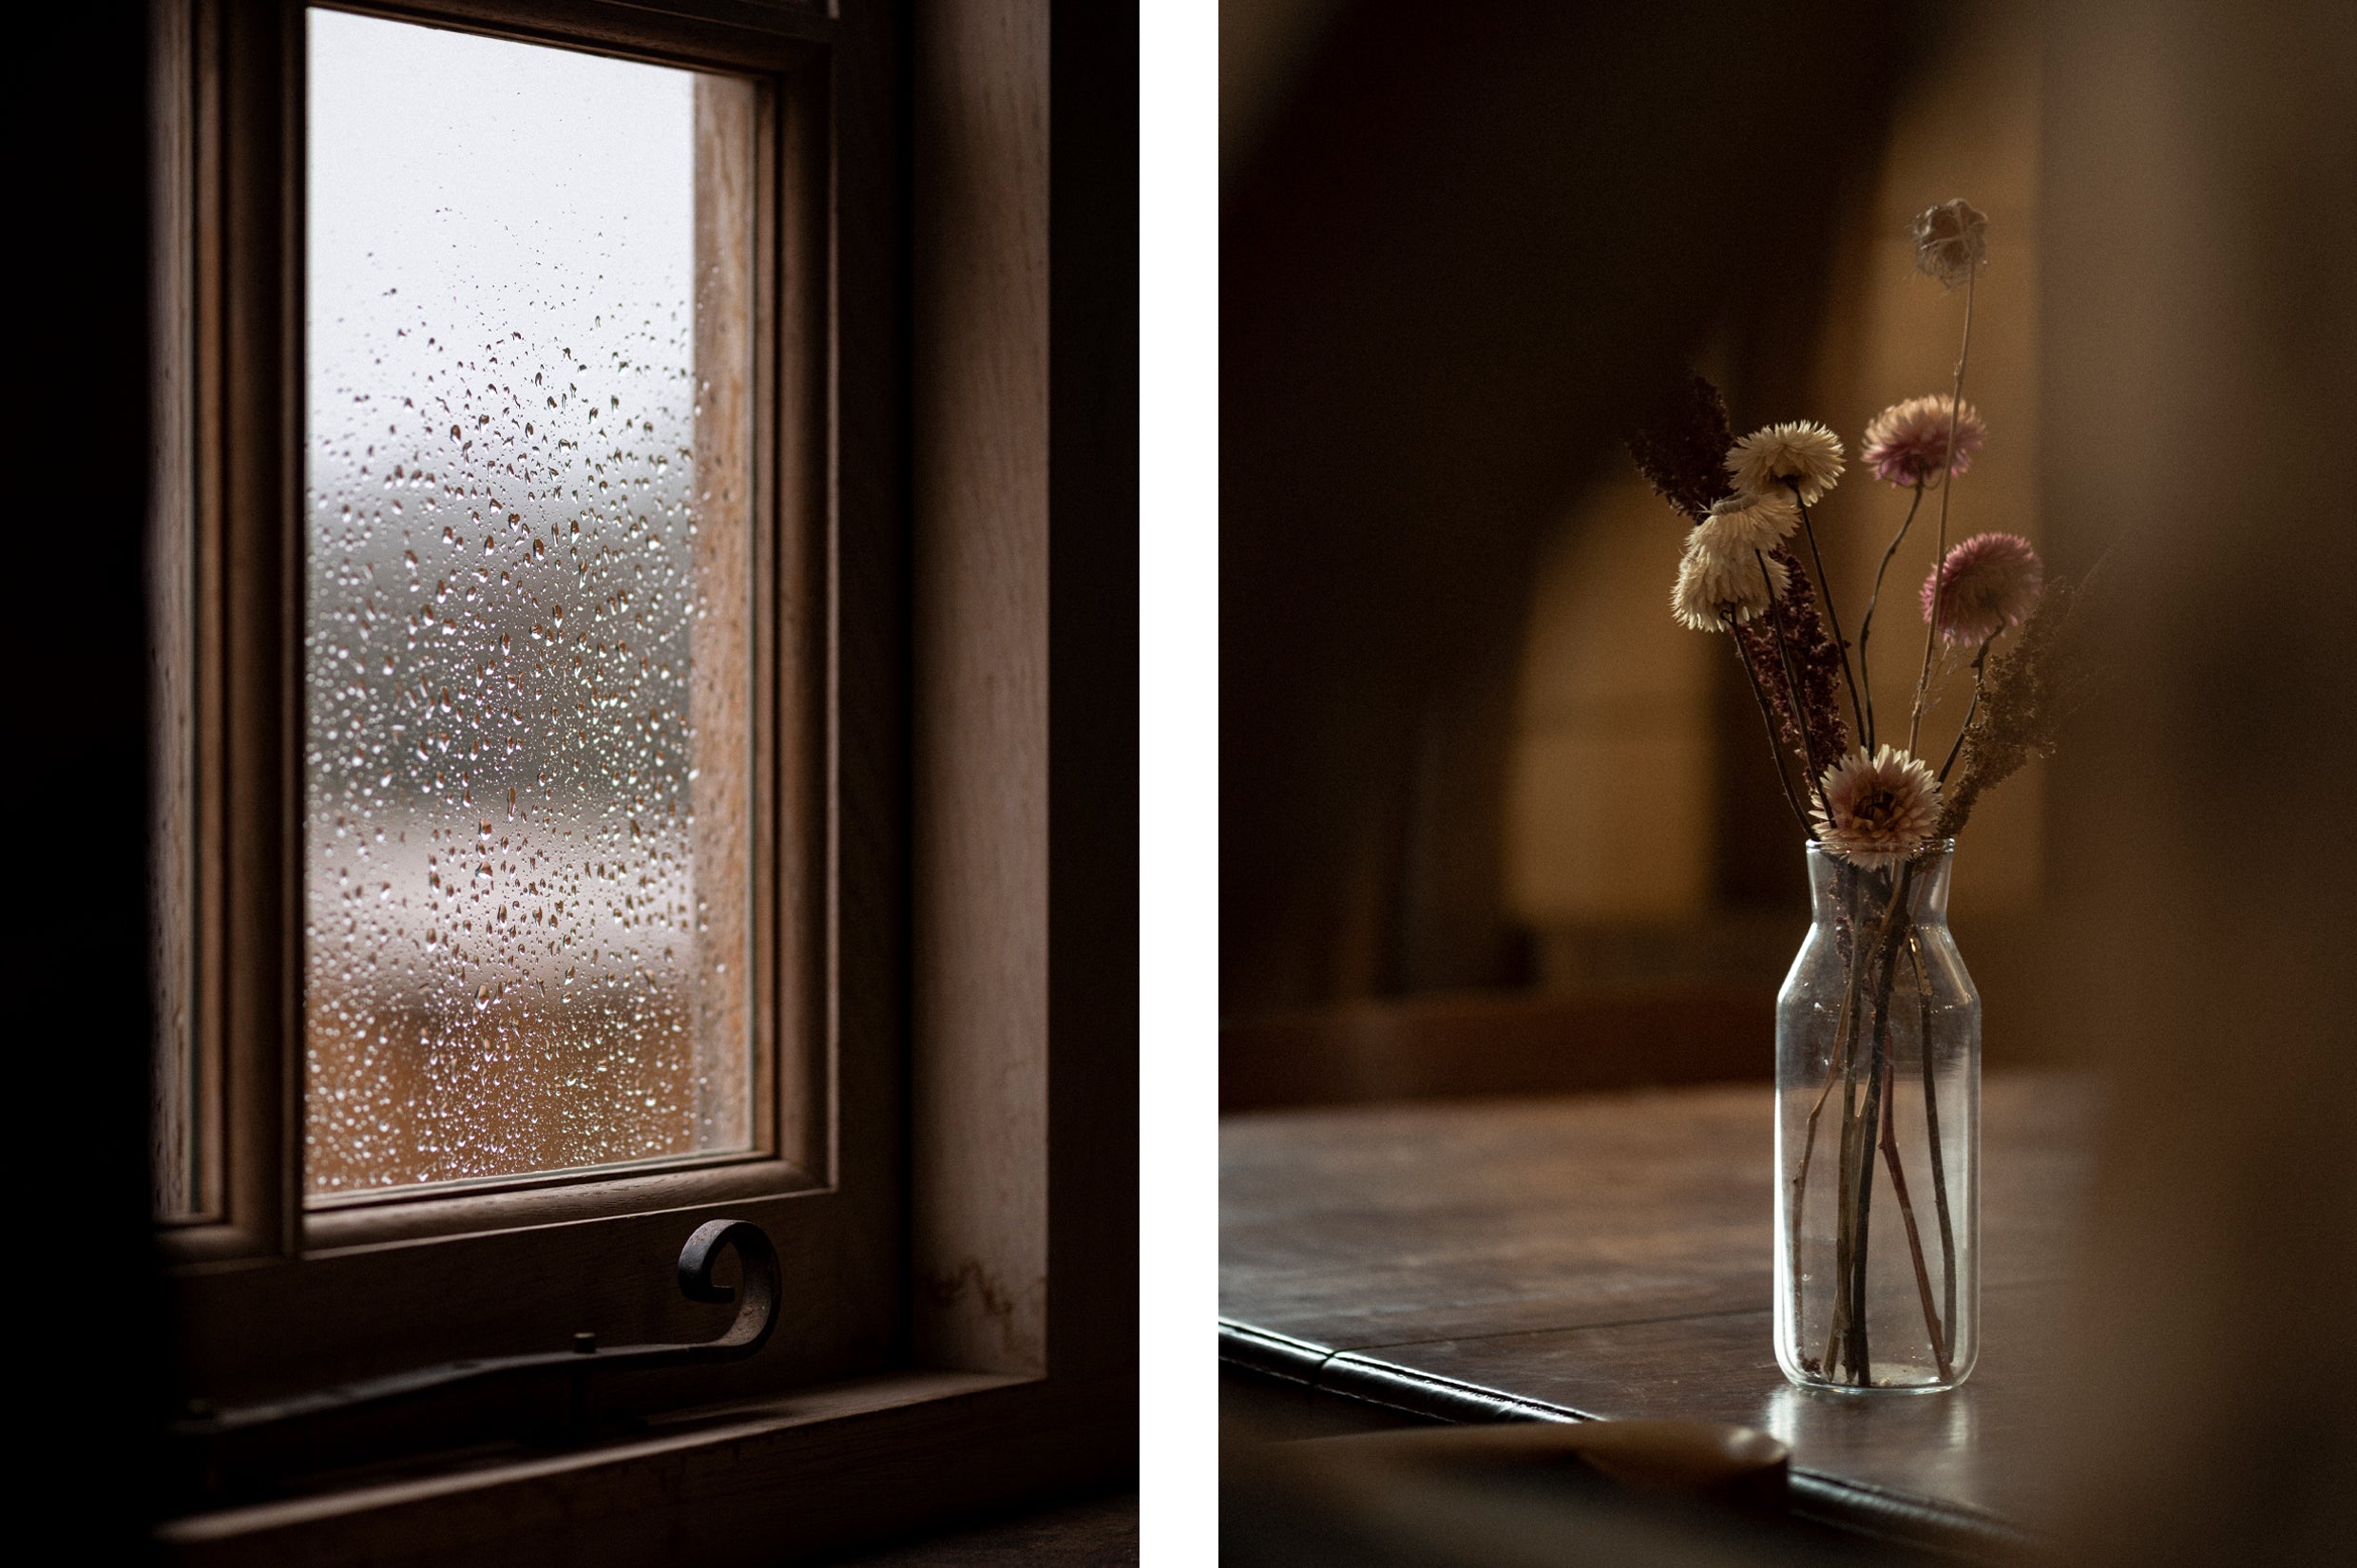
1609 1255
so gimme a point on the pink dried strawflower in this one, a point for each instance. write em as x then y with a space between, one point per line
1907 442
1771 460
1991 582
1718 588
1874 810
1750 523
1951 241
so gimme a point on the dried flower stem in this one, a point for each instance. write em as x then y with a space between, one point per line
1866 1127
1816 702
1906 1215
1979 688
1947 487
1957 746
1845 1331
1858 1195
1833 616
1791 680
1882 961
1833 1073
1775 750
1865 627
1837 1341
1931 1138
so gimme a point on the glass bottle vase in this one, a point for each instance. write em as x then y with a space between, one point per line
1878 1134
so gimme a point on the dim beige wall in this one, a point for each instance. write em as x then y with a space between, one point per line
1610 818
1609 793
1970 131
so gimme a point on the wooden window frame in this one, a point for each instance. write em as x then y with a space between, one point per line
275 1297
960 927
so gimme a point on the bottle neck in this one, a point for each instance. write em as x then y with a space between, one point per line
1846 890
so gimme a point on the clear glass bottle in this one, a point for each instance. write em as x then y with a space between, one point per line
1878 1134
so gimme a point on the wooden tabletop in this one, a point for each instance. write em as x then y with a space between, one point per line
1609 1255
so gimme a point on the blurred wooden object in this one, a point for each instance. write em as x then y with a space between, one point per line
1609 1256
1709 1460
1539 1043
2201 332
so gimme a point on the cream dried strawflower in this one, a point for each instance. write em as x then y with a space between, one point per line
1717 586
1951 241
1750 523
1907 442
1874 810
1770 462
1991 582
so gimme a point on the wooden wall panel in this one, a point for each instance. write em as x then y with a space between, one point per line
980 770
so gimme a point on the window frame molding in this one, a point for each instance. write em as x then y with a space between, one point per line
1008 1376
240 353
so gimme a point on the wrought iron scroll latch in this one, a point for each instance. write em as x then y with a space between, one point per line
543 1394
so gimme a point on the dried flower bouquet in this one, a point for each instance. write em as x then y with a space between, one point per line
1881 818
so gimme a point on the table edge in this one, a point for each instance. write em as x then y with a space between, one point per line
1861 1507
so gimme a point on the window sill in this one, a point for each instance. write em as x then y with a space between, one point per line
823 1469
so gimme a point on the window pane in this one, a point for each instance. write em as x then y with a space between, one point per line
528 652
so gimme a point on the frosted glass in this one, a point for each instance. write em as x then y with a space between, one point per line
527 663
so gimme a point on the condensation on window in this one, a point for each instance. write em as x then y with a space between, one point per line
526 648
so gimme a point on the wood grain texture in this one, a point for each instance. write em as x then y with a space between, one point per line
721 694
843 444
1383 1225
799 634
184 1127
1981 1446
1610 1256
791 1482
1377 1227
249 108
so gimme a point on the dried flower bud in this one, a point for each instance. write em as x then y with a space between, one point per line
1951 241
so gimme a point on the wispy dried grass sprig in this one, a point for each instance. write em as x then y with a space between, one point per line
2030 690
1680 444
1952 244
1813 726
1775 757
